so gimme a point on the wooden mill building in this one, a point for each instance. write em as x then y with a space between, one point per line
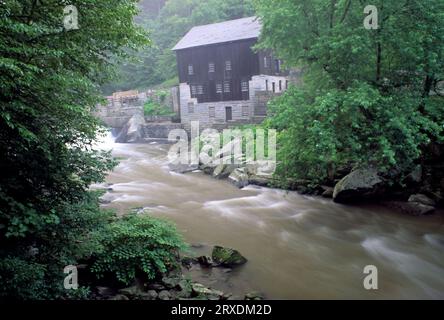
223 80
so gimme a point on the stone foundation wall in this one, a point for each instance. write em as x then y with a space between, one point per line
251 111
160 130
118 112
120 109
241 113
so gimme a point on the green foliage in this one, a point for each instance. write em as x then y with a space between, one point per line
156 106
50 81
33 267
354 126
22 279
138 243
169 83
367 96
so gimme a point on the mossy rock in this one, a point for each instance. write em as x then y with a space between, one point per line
227 257
359 185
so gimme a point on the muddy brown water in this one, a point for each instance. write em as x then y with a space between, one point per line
298 247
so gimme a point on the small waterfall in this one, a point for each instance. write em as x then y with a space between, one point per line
107 141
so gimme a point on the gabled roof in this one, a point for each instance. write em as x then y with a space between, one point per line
228 31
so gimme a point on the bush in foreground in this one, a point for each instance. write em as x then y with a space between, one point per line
138 244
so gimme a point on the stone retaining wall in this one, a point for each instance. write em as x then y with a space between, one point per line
118 112
159 130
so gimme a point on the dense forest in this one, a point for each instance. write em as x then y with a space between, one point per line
369 98
50 79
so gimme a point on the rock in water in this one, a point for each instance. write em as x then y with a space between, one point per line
422 199
171 282
327 192
150 295
227 257
164 295
358 185
133 130
205 261
254 296
201 291
260 181
223 171
411 208
207 169
239 178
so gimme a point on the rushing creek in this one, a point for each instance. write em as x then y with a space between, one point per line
298 247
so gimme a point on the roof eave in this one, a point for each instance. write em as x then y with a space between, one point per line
214 44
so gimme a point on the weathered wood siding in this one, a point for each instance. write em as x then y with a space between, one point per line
244 64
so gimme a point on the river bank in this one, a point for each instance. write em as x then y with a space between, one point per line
419 193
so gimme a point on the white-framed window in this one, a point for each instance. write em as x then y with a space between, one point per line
228 66
193 90
265 62
212 112
244 86
227 86
245 111
191 107
200 90
219 88
190 70
211 67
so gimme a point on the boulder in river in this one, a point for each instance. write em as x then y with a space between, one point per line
171 282
150 295
254 296
223 171
205 261
133 131
423 199
358 185
183 168
260 181
239 178
227 257
327 192
201 291
164 295
207 169
411 208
